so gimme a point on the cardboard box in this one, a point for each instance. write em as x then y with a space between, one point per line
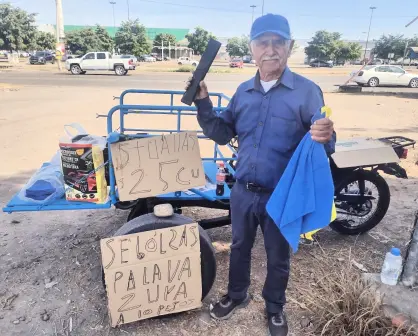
363 152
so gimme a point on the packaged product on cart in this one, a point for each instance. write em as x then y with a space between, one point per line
83 166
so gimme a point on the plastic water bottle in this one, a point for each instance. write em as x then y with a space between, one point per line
392 267
220 179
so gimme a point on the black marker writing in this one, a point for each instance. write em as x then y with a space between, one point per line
164 145
173 238
161 169
139 255
185 143
172 276
193 139
123 250
121 320
118 276
113 253
195 174
185 267
157 273
151 245
183 237
129 298
168 291
192 229
131 281
161 244
152 150
133 191
149 295
179 180
181 290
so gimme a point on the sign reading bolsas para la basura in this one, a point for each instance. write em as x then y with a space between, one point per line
152 273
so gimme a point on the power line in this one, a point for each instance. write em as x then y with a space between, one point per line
250 12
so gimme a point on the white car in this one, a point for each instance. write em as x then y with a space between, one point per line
187 61
376 75
99 61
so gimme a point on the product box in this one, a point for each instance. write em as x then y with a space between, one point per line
84 172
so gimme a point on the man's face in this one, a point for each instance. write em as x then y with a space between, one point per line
271 52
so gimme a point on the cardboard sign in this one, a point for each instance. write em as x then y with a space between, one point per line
152 273
157 165
358 152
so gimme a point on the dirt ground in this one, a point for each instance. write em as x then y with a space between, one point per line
62 248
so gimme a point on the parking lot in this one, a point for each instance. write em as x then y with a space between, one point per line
35 103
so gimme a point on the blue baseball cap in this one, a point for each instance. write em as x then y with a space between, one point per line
270 23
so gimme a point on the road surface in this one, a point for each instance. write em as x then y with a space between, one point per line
160 81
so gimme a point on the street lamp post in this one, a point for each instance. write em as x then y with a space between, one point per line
127 2
113 3
253 7
262 9
368 33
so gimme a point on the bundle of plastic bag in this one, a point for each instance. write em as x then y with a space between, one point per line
46 185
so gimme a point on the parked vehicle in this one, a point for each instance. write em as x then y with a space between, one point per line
378 75
99 61
146 58
321 64
187 61
246 59
42 57
236 63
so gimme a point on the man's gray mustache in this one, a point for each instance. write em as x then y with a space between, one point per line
270 58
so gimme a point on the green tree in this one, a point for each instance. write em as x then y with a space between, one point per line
131 38
164 38
390 44
17 28
198 40
104 40
349 51
238 46
82 41
43 41
323 45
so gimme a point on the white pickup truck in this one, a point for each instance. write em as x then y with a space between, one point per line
99 61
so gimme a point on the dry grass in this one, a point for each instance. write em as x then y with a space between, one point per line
341 303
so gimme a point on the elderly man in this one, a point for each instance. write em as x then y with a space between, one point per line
270 114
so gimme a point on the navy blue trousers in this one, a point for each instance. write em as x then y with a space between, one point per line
248 211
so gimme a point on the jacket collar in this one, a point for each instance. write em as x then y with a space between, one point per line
287 79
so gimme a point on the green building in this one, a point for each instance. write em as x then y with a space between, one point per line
179 33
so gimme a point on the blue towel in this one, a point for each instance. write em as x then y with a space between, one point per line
303 199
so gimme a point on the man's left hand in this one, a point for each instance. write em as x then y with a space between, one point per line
322 130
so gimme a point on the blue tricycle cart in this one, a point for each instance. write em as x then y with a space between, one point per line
362 196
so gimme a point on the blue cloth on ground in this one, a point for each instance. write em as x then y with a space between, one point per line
303 199
40 190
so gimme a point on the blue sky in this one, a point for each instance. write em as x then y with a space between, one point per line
350 17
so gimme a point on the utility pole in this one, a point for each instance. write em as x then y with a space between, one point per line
127 2
253 7
60 36
368 33
262 9
113 3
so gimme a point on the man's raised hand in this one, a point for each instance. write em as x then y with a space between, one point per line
203 89
322 130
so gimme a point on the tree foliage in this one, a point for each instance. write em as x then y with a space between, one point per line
198 40
88 39
17 28
166 39
43 41
329 46
131 38
104 40
82 41
395 44
238 46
